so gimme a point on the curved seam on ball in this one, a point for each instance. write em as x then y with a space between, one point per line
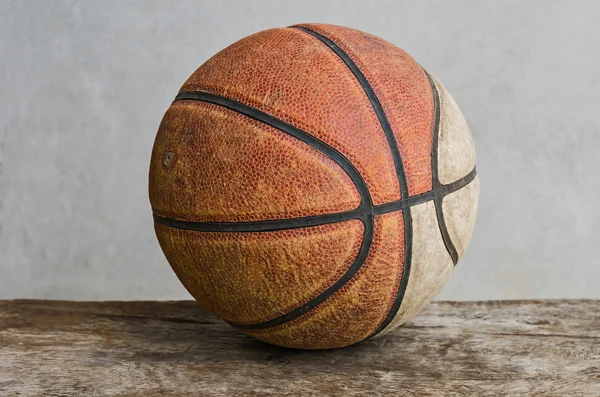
398 164
436 184
365 209
310 221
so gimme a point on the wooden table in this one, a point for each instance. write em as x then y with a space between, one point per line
511 348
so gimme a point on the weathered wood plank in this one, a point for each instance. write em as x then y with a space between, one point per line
537 348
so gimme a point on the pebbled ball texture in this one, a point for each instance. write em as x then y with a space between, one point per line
313 186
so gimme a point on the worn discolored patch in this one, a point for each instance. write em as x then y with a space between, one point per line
460 211
431 266
456 151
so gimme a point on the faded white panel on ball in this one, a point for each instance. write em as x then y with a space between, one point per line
460 211
431 264
456 152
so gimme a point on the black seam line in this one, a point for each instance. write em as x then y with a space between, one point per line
400 172
263 226
399 205
456 185
435 181
365 208
309 221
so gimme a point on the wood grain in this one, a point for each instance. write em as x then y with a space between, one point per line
528 348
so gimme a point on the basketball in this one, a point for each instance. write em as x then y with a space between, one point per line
313 186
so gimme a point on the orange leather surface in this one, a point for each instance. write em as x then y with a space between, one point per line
405 94
249 278
226 167
355 311
297 79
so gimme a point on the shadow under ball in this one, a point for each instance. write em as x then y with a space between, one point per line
313 186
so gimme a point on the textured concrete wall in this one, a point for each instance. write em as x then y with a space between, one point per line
83 86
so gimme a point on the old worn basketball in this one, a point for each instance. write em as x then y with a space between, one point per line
313 186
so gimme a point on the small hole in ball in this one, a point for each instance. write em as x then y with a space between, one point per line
168 158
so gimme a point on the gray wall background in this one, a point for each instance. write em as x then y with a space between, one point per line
83 86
